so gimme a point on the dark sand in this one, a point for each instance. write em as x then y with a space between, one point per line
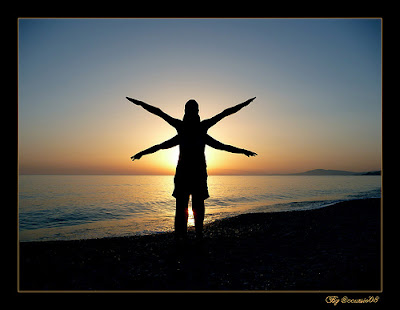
332 248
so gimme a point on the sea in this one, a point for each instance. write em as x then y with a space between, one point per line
73 207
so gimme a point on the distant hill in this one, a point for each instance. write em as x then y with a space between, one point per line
372 173
336 172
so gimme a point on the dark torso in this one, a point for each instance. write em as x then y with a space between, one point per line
191 147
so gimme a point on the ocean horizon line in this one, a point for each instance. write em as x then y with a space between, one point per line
348 173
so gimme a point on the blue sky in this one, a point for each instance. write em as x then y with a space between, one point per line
317 82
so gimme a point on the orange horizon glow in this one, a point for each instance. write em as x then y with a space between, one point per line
107 149
317 83
222 164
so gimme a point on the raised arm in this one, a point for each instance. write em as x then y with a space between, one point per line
229 111
229 148
156 111
162 146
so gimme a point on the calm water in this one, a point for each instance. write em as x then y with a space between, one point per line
60 207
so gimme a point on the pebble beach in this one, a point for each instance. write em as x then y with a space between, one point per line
332 248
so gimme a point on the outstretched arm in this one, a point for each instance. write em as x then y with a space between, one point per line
229 111
156 111
165 145
229 148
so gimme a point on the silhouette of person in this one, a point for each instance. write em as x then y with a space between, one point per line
191 171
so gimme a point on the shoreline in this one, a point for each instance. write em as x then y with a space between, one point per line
336 247
139 233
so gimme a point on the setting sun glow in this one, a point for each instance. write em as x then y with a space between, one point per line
317 83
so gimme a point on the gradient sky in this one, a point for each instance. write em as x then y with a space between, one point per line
317 83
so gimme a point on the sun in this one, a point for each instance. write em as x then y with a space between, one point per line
214 158
174 156
167 160
171 158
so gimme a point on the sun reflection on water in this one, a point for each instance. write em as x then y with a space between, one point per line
191 217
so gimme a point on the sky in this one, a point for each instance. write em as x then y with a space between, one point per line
317 83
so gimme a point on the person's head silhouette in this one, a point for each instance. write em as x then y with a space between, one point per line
191 111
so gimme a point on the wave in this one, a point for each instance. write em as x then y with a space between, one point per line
153 210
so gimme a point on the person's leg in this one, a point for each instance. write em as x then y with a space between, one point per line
181 215
198 213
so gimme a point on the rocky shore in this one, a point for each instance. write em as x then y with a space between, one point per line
332 248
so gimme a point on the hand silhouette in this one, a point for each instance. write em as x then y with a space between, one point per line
249 153
136 156
137 102
247 102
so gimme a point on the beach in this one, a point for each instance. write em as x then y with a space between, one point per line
331 248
